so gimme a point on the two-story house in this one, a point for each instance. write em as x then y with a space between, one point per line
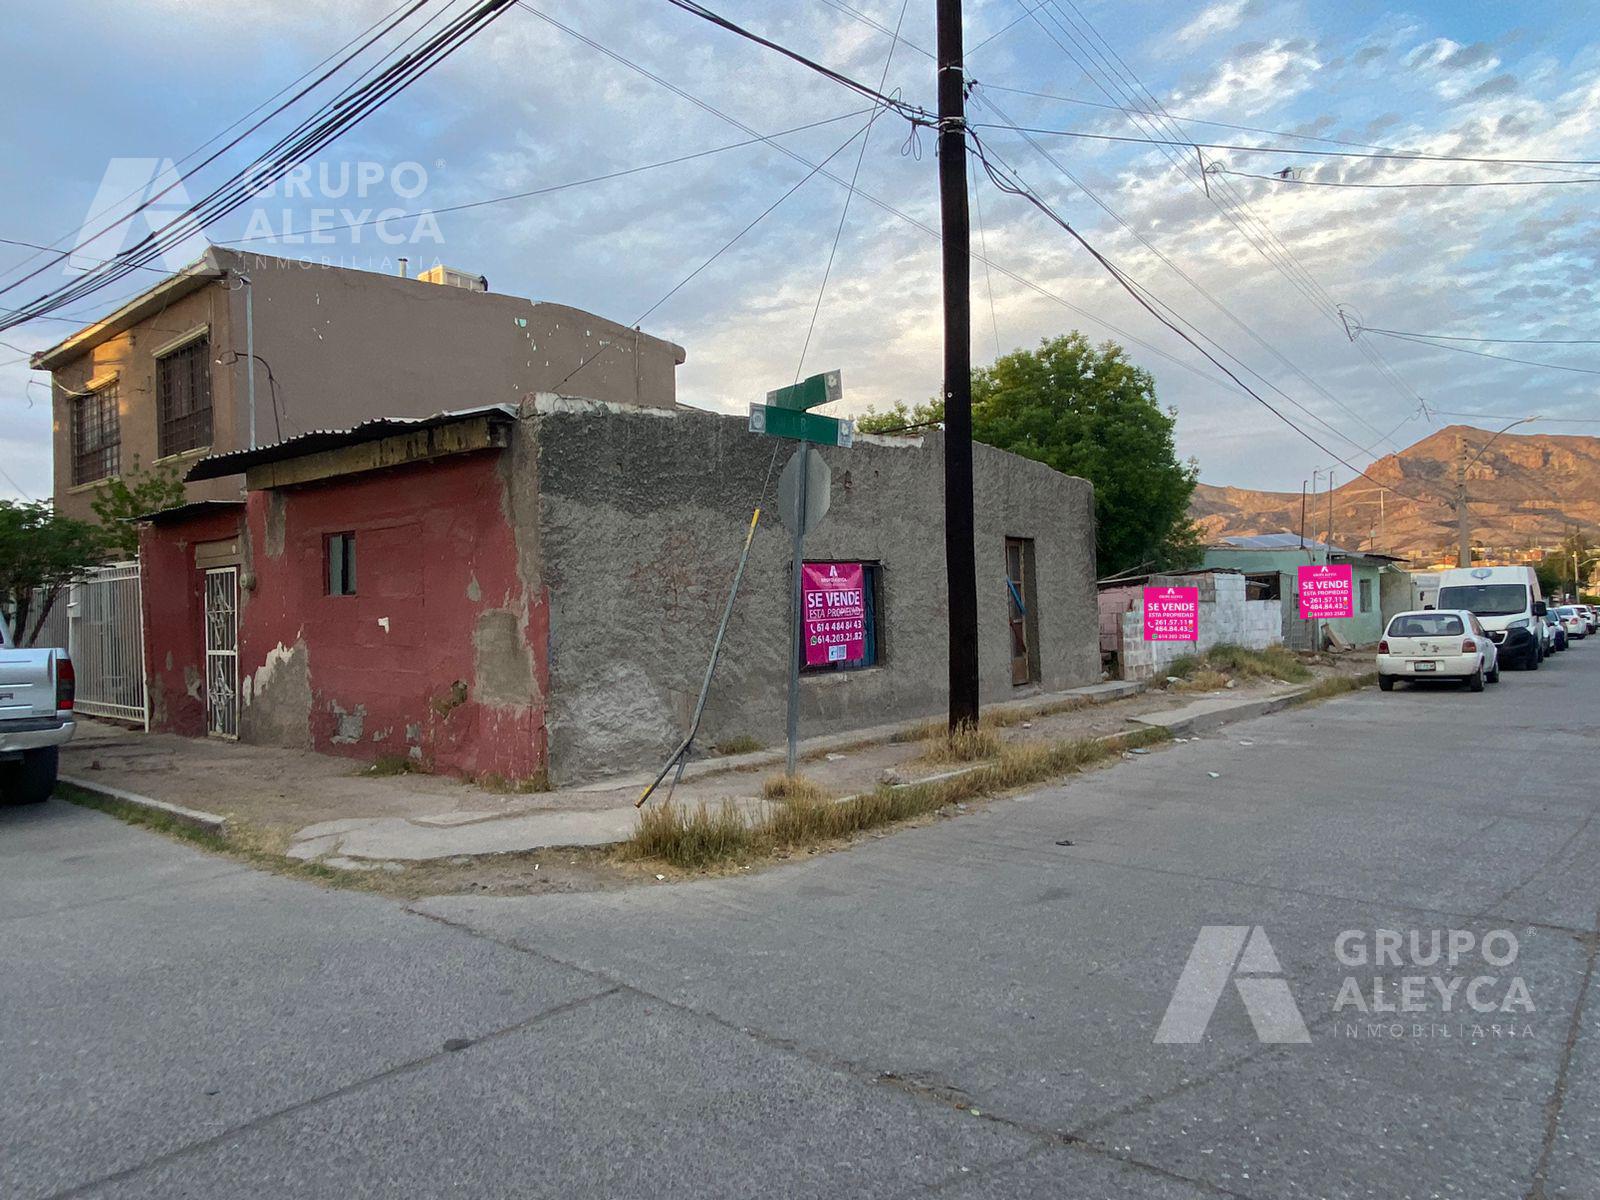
166 378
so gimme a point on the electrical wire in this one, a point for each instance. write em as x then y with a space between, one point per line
1017 188
805 179
849 195
1447 337
1526 362
1215 169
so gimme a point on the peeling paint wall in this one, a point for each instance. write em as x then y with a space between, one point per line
438 655
641 516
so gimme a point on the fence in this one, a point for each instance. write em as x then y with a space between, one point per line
105 637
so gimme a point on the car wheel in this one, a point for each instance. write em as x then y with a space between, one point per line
31 780
1532 661
1386 683
1494 675
1475 680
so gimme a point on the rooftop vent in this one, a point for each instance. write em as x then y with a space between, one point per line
451 277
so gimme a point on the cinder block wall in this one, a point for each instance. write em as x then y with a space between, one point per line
1226 618
641 514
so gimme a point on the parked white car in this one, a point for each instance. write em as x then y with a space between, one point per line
1589 615
36 717
1572 621
1434 644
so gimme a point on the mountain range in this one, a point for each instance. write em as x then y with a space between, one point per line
1524 492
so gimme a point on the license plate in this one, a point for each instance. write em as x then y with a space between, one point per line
1425 666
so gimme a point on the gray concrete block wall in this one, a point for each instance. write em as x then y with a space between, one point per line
1226 618
641 515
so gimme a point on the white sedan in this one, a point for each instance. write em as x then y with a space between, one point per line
1572 621
1434 644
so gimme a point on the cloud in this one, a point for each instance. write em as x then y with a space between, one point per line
1213 20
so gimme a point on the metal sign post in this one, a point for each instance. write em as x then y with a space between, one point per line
796 598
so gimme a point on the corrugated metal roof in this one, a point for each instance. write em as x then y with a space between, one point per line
1292 541
216 466
182 512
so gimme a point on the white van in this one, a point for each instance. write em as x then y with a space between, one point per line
1507 602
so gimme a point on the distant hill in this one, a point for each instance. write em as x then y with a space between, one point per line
1527 491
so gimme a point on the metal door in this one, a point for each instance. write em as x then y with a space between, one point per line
222 652
1017 608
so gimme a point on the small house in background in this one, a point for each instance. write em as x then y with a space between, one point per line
1232 612
1272 560
533 590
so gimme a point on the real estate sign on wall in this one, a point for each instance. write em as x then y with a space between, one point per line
835 612
1171 614
1326 590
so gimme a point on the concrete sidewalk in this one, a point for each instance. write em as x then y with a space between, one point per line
318 807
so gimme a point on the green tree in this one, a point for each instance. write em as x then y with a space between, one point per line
133 494
1086 410
41 553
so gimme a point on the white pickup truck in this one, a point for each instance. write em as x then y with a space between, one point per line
36 691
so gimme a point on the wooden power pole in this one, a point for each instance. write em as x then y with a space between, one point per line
960 565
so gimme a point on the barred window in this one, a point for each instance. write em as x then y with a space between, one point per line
183 393
96 436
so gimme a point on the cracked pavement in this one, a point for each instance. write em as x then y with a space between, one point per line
965 1009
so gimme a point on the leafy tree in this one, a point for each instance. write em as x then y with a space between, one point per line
1086 410
41 553
133 494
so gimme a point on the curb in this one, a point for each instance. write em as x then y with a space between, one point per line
206 822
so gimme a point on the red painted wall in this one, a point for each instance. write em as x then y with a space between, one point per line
391 670
172 592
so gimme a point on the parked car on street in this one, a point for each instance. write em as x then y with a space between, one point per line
1572 621
36 696
1558 633
1437 644
1589 615
1508 603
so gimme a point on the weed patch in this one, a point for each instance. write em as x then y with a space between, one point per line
742 744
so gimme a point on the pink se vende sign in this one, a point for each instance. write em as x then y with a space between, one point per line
835 612
1327 590
1171 614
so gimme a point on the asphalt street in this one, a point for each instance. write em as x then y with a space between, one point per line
968 1009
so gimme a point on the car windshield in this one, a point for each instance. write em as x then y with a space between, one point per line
1434 624
1566 610
1486 599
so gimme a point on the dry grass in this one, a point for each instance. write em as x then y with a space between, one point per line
740 744
702 837
1236 662
970 743
791 788
539 781
1205 679
391 764
1336 685
991 719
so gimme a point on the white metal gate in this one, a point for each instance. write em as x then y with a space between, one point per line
105 637
222 652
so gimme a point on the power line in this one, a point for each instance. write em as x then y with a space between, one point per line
849 195
1283 177
1448 337
555 187
1527 362
1017 188
815 170
1416 156
94 216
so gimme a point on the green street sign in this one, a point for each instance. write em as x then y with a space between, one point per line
801 426
808 393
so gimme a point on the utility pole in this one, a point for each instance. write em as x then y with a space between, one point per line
1328 552
960 564
1463 532
1302 514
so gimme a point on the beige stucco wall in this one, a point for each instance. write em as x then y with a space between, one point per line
344 346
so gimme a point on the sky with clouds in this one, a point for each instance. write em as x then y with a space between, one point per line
1262 268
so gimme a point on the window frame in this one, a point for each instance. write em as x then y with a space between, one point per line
347 580
107 447
194 428
1364 595
872 636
